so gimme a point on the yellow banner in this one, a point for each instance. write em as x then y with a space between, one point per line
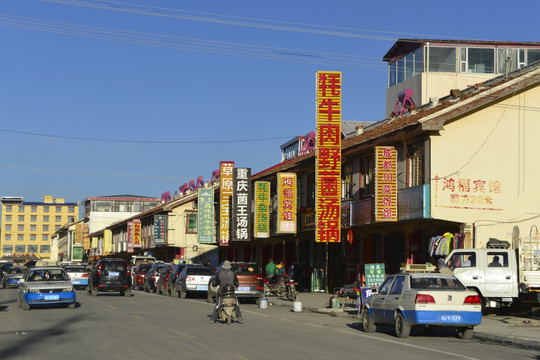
261 227
94 243
385 184
107 242
328 163
86 243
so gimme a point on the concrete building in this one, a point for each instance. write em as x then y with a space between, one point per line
27 227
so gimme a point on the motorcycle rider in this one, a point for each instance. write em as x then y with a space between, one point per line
224 277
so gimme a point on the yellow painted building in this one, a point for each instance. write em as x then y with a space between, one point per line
27 226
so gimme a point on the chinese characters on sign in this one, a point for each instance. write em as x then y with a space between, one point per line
78 234
130 237
328 166
241 219
385 183
375 274
107 242
160 229
86 243
137 234
205 216
225 193
467 193
286 203
262 209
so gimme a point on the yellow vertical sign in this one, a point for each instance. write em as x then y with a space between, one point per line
385 183
286 203
107 242
261 226
328 163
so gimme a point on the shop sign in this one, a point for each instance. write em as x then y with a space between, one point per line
241 216
385 184
137 234
286 203
375 274
328 157
225 193
107 242
262 209
205 216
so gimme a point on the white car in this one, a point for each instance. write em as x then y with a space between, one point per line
193 279
45 286
407 300
78 275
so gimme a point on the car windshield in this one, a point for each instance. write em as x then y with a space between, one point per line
445 283
144 269
47 275
245 268
16 270
75 269
199 271
113 266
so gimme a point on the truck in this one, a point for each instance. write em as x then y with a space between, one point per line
499 274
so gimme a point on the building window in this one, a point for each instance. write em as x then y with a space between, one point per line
477 61
58 209
32 249
58 218
46 218
33 237
20 237
8 237
20 227
367 184
45 249
45 237
8 227
45 227
533 55
45 209
8 218
442 59
191 222
415 165
33 218
21 218
347 182
20 249
71 209
7 249
57 227
9 209
32 227
21 209
34 209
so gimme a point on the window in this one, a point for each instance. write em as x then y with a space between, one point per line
347 182
8 218
20 237
32 249
21 209
415 164
366 176
34 209
7 249
20 249
409 65
32 227
46 218
33 218
58 218
45 227
397 286
385 287
58 209
8 227
392 71
57 227
45 237
418 61
191 222
477 61
45 209
442 59
9 208
463 259
497 259
21 218
400 70
511 58
20 227
8 236
44 249
71 209
33 237
533 55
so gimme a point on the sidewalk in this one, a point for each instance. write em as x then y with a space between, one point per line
512 330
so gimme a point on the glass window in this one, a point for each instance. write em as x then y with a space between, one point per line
71 209
45 227
385 287
392 73
45 209
32 249
409 65
58 209
497 259
533 55
21 209
46 218
8 227
20 227
9 209
513 60
57 227
20 237
400 70
58 218
33 218
481 61
397 286
367 176
462 259
34 209
21 218
415 164
20 248
44 249
32 227
8 236
418 61
7 249
45 237
191 222
8 217
33 237
442 59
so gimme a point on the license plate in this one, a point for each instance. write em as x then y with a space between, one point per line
114 273
51 297
451 318
507 299
76 282
202 287
243 288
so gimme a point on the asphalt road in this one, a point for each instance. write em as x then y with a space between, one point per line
151 326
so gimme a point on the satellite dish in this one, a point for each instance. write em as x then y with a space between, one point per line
515 237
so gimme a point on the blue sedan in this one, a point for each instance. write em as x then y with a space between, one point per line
45 286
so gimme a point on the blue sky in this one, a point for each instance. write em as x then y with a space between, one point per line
139 97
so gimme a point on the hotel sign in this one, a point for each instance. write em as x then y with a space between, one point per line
286 203
385 184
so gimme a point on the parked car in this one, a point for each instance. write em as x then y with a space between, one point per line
250 280
161 282
175 273
45 286
3 267
142 270
192 279
407 300
110 274
78 275
152 276
12 275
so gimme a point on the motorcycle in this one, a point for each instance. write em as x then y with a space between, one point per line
228 307
290 288
276 288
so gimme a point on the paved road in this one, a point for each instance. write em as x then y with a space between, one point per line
154 326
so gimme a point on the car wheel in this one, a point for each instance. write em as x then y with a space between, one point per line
25 306
402 329
93 291
19 303
127 292
466 333
71 305
4 285
169 293
209 298
367 323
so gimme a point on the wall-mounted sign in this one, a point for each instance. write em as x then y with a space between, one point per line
286 187
160 229
328 163
205 216
225 193
241 211
137 243
107 241
385 184
261 226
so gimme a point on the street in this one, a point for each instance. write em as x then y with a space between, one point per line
154 326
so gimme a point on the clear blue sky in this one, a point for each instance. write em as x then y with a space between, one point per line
184 85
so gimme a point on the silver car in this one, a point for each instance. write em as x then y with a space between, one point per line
45 286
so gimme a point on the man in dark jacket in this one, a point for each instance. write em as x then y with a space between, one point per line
224 277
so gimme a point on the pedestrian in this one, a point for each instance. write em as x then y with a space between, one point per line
292 270
304 276
270 268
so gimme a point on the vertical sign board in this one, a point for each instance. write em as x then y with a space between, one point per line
78 234
241 215
130 236
225 193
286 203
261 227
94 242
107 242
137 233
85 231
328 163
205 216
86 243
375 274
385 184
160 229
